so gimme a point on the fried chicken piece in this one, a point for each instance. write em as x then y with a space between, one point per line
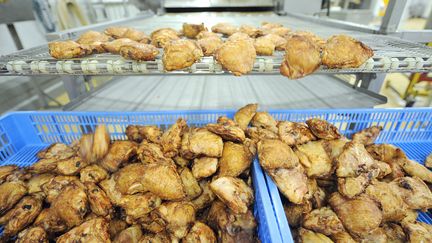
49 221
32 235
258 134
132 234
139 205
353 161
302 57
296 212
392 204
43 166
264 46
353 186
110 188
161 37
192 30
71 166
275 154
55 186
171 139
154 223
155 238
94 230
180 161
202 142
207 34
324 221
341 51
270 25
335 147
278 41
231 227
180 54
314 159
163 181
204 167
417 232
67 49
237 56
414 192
179 216
71 205
283 32
34 185
394 232
11 193
342 237
236 158
56 151
5 171
190 184
139 133
264 120
294 133
250 30
200 232
115 45
308 236
244 115
98 200
367 216
206 198
367 136
136 35
139 51
291 182
93 173
129 179
233 192
119 152
116 226
116 31
427 163
209 45
227 132
323 129
320 42
415 169
152 153
94 40
22 215
224 28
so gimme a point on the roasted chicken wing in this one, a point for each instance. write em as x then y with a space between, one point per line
56 151
236 158
98 200
296 212
414 192
234 192
94 230
324 221
353 161
264 120
244 115
179 217
190 183
132 234
11 193
202 142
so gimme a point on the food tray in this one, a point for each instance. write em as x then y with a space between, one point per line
391 55
409 129
23 134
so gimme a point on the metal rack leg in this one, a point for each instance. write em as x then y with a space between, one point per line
74 86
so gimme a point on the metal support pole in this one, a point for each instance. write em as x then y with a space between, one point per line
15 36
74 86
393 16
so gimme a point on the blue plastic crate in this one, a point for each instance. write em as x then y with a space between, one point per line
23 134
410 129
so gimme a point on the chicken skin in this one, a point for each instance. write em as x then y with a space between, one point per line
116 32
278 41
5 171
227 132
341 51
323 129
294 133
94 40
209 45
283 32
119 152
367 136
93 173
98 200
139 205
275 154
206 198
250 30
171 139
292 183
240 36
202 142
56 151
161 37
235 159
237 57
320 42
132 234
49 221
417 232
139 133
324 221
178 216
264 120
136 35
245 114
138 51
204 167
115 45
94 230
309 236
34 234
224 28
71 205
264 46
233 192
296 212
207 34
180 54
353 161
67 50
190 183
152 153
414 192
192 30
302 57
200 232
11 193
314 159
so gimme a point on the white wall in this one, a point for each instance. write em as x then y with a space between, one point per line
29 33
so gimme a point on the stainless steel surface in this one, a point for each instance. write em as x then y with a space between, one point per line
393 16
213 92
16 10
216 3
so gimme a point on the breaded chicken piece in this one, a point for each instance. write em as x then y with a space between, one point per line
120 152
67 49
302 57
192 30
200 232
94 230
283 32
237 56
139 51
264 120
324 221
341 51
234 192
292 183
314 159
178 217
115 45
323 129
294 133
209 45
278 41
94 40
320 42
414 192
181 54
204 167
274 154
240 36
244 115
207 34
236 158
250 30
164 36
264 46
224 28
116 31
367 136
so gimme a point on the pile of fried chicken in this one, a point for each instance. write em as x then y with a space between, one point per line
343 190
189 184
235 48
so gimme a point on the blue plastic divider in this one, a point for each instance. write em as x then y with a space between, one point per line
24 133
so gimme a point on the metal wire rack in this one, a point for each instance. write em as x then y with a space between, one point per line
391 55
